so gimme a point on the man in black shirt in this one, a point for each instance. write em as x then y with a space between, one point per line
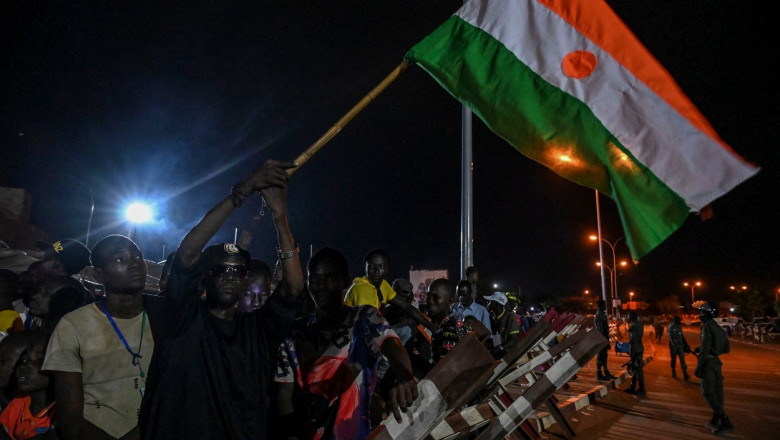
209 378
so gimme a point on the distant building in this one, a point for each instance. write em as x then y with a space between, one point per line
421 279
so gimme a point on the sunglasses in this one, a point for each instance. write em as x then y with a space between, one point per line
227 269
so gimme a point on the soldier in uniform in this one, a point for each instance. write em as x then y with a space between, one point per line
636 350
602 326
714 342
678 346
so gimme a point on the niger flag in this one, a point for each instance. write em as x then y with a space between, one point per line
567 84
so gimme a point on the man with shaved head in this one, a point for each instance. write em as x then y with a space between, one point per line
441 293
99 354
373 290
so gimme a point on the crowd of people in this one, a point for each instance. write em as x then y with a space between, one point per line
227 349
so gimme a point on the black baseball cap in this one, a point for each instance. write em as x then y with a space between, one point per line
223 249
73 254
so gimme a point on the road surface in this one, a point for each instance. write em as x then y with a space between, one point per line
675 409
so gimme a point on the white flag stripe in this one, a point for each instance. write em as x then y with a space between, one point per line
691 163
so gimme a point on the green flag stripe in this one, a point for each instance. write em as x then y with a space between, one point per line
549 125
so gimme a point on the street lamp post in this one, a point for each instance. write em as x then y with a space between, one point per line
613 274
621 264
693 286
613 277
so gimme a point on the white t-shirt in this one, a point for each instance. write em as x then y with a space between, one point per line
85 342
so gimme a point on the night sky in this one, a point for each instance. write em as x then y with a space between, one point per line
177 102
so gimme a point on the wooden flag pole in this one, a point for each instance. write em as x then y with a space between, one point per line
325 138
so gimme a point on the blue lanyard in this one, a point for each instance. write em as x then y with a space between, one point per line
136 356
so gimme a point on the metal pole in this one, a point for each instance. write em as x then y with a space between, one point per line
614 269
601 255
89 222
466 195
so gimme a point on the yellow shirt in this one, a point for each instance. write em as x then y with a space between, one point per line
7 319
362 292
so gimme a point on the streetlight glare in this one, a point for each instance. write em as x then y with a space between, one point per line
693 286
138 212
593 238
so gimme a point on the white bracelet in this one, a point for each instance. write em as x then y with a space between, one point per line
287 255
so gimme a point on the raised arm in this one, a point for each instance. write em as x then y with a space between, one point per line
271 173
292 281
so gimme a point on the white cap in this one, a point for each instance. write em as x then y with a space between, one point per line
498 297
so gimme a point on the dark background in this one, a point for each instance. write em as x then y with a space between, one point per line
175 102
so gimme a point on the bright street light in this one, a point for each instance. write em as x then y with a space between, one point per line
138 212
613 277
693 286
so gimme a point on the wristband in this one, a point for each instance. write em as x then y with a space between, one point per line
238 196
287 255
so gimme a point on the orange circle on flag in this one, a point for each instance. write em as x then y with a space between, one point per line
579 64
